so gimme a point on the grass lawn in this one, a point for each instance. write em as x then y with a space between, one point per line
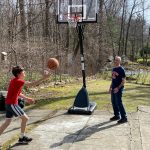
62 96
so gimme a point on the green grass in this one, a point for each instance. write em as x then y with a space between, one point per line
140 78
62 97
135 95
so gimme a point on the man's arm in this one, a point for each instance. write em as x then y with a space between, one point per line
122 83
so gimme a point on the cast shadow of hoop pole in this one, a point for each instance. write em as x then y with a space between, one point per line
88 131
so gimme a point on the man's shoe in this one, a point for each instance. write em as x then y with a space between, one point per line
24 140
114 118
123 120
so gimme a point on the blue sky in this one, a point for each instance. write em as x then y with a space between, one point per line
147 16
147 11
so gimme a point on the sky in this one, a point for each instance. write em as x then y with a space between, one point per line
146 5
147 15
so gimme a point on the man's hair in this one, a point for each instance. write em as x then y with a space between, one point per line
16 70
118 57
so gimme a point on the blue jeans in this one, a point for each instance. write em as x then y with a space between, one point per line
118 108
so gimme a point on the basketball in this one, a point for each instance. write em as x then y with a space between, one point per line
52 63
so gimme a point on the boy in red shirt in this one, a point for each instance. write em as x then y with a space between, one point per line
12 107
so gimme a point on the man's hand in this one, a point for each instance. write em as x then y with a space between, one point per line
116 90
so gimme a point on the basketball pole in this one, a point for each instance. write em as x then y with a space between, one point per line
81 104
80 35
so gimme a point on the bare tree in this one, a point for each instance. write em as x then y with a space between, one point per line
101 25
121 37
22 20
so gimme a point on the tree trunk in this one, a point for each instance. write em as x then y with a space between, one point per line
128 27
101 46
22 20
47 18
122 28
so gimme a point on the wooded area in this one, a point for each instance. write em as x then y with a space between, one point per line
30 35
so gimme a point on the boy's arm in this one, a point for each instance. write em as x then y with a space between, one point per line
37 82
27 99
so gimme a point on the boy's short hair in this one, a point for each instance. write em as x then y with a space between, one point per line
17 70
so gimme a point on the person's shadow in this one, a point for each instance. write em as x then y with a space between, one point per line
10 147
88 131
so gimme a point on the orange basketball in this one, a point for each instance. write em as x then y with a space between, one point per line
52 63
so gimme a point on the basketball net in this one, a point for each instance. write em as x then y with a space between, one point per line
72 21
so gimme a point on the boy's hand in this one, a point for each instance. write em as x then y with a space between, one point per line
31 101
46 74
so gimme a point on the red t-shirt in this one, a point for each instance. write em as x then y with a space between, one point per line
14 90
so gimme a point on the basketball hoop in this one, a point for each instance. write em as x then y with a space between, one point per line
85 9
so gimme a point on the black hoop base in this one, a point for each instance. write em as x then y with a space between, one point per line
82 104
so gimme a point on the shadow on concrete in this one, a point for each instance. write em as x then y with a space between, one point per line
38 122
16 144
85 133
